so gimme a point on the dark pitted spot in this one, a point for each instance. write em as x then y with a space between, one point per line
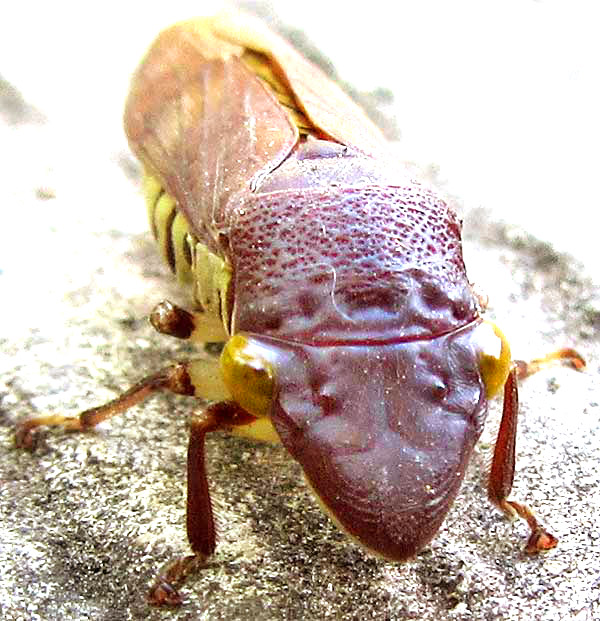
172 320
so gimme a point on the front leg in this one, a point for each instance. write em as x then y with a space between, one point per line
503 471
200 378
503 464
200 522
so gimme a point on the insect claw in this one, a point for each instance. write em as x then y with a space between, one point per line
24 432
163 591
24 437
540 540
163 594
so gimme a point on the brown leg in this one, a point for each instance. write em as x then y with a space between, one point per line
194 377
200 521
200 378
503 464
167 318
503 470
566 356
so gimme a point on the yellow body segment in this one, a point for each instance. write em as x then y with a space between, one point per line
260 430
212 276
191 261
183 244
170 229
495 359
247 375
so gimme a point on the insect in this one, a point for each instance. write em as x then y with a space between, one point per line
336 282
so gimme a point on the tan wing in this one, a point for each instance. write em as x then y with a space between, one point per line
323 102
203 120
203 123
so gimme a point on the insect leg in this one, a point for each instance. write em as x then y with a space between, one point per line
567 356
503 463
172 320
199 521
200 378
503 470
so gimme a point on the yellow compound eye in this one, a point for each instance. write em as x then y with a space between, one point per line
495 359
248 375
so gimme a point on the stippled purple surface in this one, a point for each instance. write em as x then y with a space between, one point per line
353 264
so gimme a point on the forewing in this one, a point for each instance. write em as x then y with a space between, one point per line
203 123
323 102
